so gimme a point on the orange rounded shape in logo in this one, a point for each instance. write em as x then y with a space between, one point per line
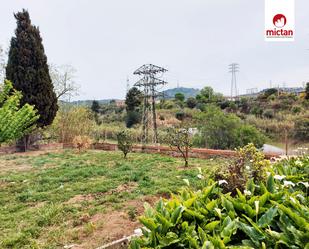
279 20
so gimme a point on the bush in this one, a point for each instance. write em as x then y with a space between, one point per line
271 214
82 143
180 138
180 115
71 122
219 130
132 118
249 164
268 113
246 134
125 142
191 102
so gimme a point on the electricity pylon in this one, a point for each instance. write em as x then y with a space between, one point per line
148 83
234 68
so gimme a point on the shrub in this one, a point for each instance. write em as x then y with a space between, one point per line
265 215
180 138
125 142
246 134
296 109
180 115
268 113
219 130
71 122
191 102
249 164
132 118
15 120
82 143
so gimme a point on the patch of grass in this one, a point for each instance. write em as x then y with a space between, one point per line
36 207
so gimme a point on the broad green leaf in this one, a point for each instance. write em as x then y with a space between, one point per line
252 233
176 215
270 183
212 225
267 217
149 223
188 203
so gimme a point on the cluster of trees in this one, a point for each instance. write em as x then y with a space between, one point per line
221 130
32 90
28 71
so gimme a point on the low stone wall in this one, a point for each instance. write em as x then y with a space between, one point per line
194 152
51 146
165 150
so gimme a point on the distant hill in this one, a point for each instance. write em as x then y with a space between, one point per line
188 92
169 93
89 102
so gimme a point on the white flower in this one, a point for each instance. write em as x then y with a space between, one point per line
222 182
251 161
292 199
200 176
186 181
218 210
247 192
279 177
267 173
288 183
300 197
256 203
306 184
298 163
247 167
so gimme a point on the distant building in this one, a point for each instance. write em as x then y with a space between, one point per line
299 91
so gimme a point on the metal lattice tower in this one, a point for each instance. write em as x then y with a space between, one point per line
234 68
149 83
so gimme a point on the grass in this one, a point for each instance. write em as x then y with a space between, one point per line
49 200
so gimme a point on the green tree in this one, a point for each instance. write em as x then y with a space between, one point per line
15 120
181 139
125 142
133 99
191 102
95 106
207 95
28 70
219 130
179 97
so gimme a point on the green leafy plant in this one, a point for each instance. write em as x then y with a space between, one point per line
15 121
180 139
270 216
125 142
248 164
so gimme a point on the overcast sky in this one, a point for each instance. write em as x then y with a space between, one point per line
194 39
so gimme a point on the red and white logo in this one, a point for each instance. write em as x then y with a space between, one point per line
279 20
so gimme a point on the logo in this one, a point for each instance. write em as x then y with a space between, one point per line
279 20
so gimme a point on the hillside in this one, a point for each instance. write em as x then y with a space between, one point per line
188 92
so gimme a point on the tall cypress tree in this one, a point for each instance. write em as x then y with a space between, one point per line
28 70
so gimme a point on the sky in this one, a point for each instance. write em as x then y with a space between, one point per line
195 40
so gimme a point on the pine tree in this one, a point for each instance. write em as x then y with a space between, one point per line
95 106
28 70
133 99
